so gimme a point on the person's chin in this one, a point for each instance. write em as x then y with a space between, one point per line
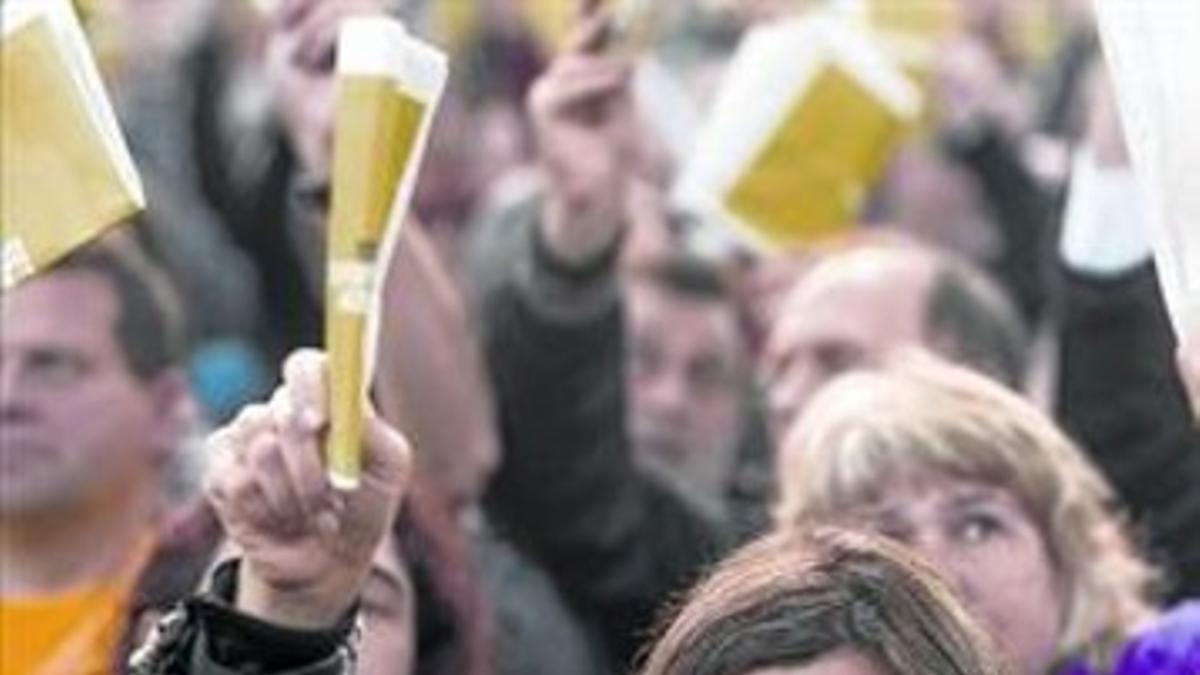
27 482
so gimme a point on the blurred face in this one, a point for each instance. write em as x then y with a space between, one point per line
988 17
301 56
983 540
848 313
389 633
837 663
685 383
75 424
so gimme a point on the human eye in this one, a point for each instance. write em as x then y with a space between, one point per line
979 527
381 598
55 366
834 358
325 59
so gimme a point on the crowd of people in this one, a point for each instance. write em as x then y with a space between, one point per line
954 439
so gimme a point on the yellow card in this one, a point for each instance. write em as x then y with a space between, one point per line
811 178
65 173
809 112
388 84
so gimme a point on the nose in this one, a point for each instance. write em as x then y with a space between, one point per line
14 399
667 393
783 402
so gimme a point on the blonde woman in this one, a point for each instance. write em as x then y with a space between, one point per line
1001 502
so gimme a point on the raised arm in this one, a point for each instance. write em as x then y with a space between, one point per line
617 542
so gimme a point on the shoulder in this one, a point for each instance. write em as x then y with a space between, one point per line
1171 646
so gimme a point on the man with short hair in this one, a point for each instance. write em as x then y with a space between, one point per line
686 373
91 408
856 307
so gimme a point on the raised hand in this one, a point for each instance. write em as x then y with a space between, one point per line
306 548
583 118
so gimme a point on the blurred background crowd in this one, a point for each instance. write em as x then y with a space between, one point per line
602 388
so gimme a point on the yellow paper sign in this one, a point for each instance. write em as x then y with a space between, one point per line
65 173
811 178
388 84
809 113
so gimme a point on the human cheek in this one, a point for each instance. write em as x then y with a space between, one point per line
784 399
717 417
1003 577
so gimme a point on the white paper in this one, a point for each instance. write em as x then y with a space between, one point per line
1153 52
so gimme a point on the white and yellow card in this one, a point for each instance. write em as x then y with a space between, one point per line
388 85
65 172
809 112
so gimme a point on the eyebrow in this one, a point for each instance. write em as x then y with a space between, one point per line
974 496
959 499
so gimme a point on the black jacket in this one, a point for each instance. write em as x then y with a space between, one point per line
1120 395
617 542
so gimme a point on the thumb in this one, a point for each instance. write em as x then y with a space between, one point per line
387 455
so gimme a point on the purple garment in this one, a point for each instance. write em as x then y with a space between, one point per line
1170 647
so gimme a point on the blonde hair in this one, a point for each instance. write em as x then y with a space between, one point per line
917 416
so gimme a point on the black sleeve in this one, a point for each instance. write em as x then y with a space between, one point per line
1121 396
207 636
617 542
1022 208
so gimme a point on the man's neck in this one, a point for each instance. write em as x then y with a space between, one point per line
90 542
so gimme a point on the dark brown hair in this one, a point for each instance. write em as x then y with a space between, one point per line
685 275
150 324
794 597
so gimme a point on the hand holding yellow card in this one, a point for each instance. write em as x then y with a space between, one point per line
388 85
65 172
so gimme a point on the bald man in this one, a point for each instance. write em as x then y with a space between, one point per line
857 307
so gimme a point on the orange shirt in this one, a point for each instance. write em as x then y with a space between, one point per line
74 632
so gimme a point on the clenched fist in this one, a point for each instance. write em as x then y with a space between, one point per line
306 548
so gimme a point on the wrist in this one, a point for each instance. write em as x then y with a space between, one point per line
300 608
573 236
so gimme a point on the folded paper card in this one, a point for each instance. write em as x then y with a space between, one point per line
388 85
808 114
65 172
